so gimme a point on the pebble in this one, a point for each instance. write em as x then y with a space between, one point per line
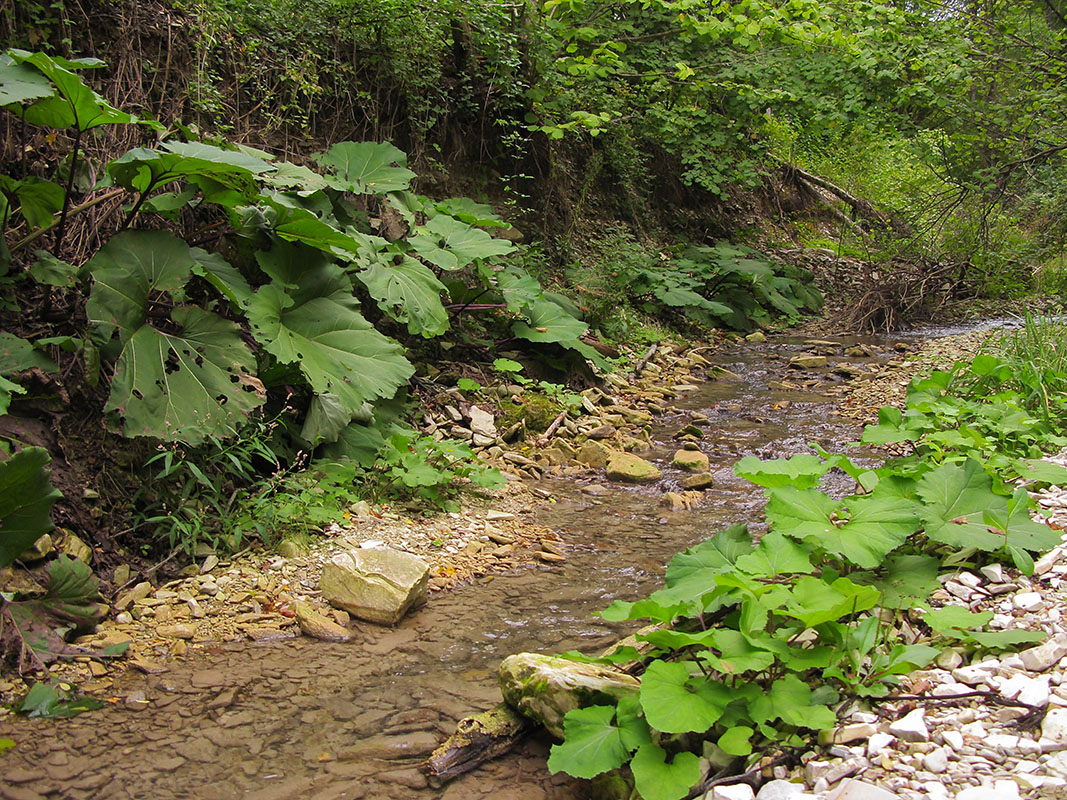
936 761
1043 656
912 727
734 791
1028 601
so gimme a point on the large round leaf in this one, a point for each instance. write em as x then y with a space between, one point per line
450 244
74 105
132 266
188 386
367 167
336 349
408 292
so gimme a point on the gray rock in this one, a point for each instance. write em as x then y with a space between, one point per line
936 761
949 659
807 362
702 480
594 454
42 548
847 733
878 743
377 584
317 626
782 790
994 573
1042 657
545 688
73 546
735 791
1028 601
1054 726
692 460
912 727
1000 790
860 790
603 432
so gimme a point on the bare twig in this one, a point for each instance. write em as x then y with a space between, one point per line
644 359
551 430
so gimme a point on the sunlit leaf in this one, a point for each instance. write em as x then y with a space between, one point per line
367 167
655 779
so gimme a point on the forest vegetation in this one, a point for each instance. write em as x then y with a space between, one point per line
240 236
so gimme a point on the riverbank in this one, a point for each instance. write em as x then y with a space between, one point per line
230 647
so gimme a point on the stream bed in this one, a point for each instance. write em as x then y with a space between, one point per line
306 719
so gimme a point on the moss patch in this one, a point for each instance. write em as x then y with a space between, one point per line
537 410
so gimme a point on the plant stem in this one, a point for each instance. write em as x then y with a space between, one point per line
66 195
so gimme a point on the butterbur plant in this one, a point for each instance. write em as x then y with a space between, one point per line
756 646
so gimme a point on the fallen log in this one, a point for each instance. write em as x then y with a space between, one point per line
478 738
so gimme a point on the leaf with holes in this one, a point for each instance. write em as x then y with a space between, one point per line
367 167
408 292
450 244
187 386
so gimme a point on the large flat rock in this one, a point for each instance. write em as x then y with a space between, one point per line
377 584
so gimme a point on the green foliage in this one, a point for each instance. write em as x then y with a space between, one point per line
185 385
17 355
33 628
56 701
26 500
431 470
725 285
758 642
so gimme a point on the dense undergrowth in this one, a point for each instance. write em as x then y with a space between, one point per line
226 265
758 646
258 321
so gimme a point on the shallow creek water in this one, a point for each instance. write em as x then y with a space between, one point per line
306 719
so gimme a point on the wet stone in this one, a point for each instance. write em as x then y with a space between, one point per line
411 778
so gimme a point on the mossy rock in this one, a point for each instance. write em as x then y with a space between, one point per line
538 411
545 688
629 468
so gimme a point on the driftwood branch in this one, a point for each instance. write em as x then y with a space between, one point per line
644 359
551 430
478 738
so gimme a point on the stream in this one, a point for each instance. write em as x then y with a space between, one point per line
307 719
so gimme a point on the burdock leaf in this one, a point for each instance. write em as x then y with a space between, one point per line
592 743
26 500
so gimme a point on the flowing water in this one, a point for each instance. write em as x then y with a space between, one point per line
306 719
